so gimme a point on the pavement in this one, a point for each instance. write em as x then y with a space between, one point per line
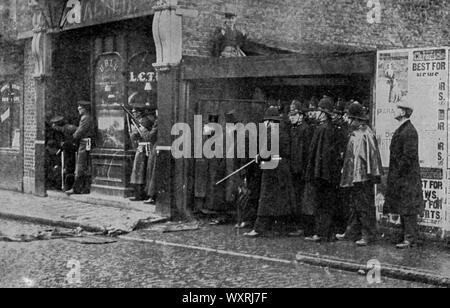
429 263
77 212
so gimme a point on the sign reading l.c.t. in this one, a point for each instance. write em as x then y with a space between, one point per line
83 13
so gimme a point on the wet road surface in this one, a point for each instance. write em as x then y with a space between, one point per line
138 264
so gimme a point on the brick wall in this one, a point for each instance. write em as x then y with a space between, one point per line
321 25
29 119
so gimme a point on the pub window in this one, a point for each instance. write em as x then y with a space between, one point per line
9 115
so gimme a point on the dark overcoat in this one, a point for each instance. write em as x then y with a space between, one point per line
323 164
85 130
301 136
404 185
277 196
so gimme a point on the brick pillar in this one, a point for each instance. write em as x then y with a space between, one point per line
41 51
170 174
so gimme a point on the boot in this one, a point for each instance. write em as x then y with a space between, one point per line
138 194
405 245
315 239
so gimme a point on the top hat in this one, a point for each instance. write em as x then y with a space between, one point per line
356 111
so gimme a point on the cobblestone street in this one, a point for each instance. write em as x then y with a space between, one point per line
138 264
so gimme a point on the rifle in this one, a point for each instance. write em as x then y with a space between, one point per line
243 168
133 119
237 171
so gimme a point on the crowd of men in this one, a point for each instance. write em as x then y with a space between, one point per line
324 186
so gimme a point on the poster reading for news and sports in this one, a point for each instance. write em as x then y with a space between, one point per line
422 77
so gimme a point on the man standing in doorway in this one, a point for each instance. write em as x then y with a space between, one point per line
83 136
404 195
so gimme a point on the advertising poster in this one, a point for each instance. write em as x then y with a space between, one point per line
421 76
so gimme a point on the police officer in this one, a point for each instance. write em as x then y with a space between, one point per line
342 130
277 195
83 136
301 134
323 172
361 171
139 135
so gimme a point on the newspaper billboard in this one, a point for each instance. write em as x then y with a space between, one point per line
423 76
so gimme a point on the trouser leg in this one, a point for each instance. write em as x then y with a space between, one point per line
263 224
353 231
308 223
249 211
366 198
325 210
410 228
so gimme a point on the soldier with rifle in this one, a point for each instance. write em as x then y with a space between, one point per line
140 131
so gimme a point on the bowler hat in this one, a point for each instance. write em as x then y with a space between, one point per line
272 114
326 105
356 111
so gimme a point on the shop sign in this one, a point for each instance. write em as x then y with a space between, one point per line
83 13
421 75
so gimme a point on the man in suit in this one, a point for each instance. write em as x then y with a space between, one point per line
83 136
404 195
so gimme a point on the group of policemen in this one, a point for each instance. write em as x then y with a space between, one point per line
329 162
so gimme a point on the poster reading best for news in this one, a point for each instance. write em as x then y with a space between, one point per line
422 77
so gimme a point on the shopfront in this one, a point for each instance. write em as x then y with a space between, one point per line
215 87
98 51
106 64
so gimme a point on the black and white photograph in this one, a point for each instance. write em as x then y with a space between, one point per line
224 149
